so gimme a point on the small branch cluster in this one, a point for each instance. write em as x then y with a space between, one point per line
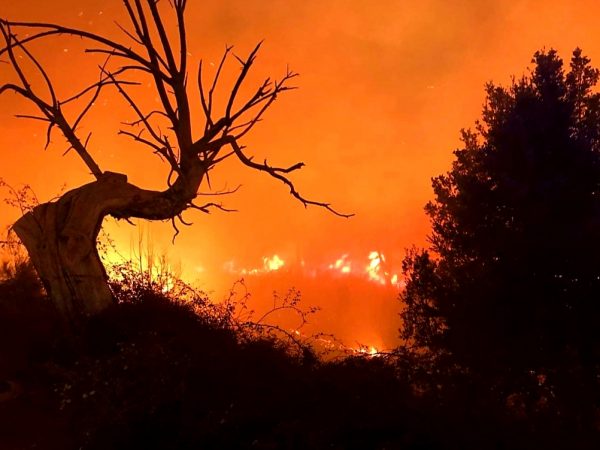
23 198
249 327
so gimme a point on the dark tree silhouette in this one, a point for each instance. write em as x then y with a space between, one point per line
511 281
61 236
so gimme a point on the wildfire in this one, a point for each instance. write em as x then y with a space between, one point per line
375 269
273 263
342 265
334 348
270 264
367 350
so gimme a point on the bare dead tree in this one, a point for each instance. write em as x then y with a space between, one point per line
60 236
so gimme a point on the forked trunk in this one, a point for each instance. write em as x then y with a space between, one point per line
60 237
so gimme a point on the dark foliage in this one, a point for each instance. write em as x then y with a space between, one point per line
157 373
509 290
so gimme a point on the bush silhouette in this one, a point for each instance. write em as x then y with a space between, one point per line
508 290
157 372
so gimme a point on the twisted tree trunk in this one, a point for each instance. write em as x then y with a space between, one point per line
60 237
63 251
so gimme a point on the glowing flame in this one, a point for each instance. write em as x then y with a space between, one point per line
375 270
339 348
270 264
273 263
367 350
342 265
168 284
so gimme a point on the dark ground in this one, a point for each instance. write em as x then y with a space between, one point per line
153 374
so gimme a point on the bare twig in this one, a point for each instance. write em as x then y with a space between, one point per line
206 207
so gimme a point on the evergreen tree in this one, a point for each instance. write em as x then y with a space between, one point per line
511 281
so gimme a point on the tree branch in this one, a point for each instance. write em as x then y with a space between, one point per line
206 207
52 29
191 160
238 83
52 111
276 172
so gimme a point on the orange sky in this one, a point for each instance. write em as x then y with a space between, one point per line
385 87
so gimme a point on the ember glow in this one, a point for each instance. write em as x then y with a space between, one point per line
385 88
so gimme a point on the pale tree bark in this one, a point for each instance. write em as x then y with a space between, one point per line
61 236
62 248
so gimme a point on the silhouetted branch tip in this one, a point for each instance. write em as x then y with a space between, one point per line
206 207
224 191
